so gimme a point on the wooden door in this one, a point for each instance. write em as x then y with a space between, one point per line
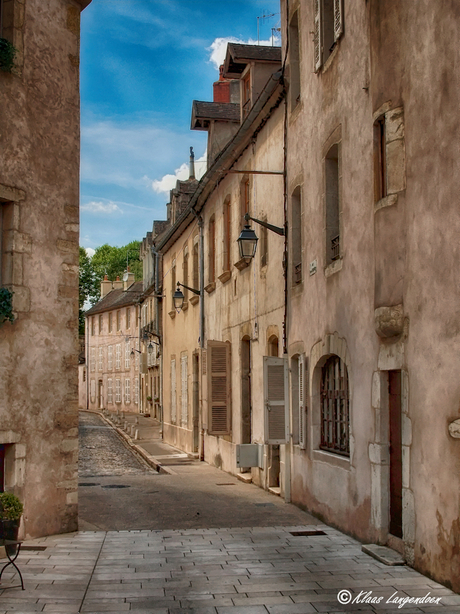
394 390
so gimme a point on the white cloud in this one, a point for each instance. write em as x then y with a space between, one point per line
168 182
90 251
99 207
218 47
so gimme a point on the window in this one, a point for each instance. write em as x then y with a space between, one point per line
273 346
92 326
332 197
246 93
110 357
389 155
136 355
100 324
219 388
196 264
101 359
299 401
118 356
276 400
173 391
294 61
212 250
118 390
127 391
118 320
128 318
184 389
185 273
335 419
227 235
110 323
127 355
92 360
380 162
263 244
109 391
136 392
296 236
244 199
328 29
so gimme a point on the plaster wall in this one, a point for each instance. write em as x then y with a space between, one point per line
39 183
398 261
181 333
100 368
250 303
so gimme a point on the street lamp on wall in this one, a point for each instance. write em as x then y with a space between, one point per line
247 241
178 296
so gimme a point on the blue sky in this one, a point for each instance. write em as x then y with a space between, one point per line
143 62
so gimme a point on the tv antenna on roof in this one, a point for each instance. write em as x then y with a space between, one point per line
263 18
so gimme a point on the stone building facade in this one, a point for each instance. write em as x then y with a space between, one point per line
113 354
39 225
372 143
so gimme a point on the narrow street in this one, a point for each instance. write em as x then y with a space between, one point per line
198 541
119 491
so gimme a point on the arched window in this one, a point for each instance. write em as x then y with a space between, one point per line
273 346
335 415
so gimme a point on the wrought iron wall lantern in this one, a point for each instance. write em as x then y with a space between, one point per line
178 296
247 241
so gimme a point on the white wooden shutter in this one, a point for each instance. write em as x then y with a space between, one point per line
101 358
276 400
338 19
118 391
173 391
109 391
184 389
302 401
127 391
318 37
127 355
110 357
93 359
118 356
219 392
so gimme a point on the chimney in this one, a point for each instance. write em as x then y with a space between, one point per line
128 279
106 286
117 284
192 165
221 88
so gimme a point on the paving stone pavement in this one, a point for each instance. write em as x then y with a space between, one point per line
263 570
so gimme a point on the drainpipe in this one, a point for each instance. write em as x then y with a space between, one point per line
156 256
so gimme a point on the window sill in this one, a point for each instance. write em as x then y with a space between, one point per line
194 300
172 314
243 263
210 287
334 267
386 201
341 462
226 275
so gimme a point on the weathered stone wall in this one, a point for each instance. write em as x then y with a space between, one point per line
390 301
39 188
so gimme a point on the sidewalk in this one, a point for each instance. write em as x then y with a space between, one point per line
304 568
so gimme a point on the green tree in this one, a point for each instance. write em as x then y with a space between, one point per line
88 288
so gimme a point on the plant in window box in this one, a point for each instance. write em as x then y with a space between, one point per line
7 54
149 399
11 510
6 305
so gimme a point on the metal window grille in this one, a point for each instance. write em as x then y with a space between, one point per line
335 248
298 273
335 416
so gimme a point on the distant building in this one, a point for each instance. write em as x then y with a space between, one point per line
39 230
111 379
